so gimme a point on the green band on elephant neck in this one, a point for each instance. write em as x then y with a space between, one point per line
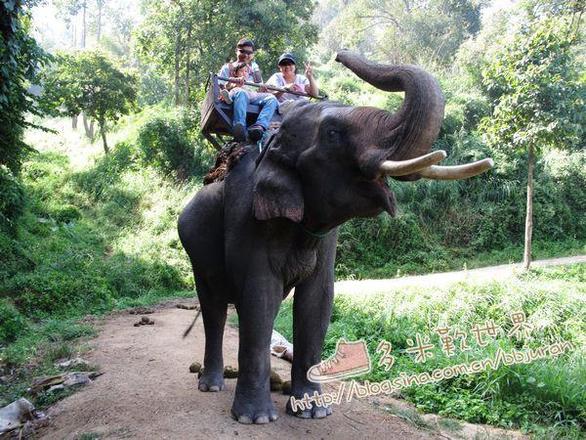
315 234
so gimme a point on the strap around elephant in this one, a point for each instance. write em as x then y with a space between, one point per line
266 145
318 235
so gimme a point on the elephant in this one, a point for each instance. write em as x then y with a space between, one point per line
271 223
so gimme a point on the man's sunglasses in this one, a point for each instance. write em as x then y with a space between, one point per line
247 52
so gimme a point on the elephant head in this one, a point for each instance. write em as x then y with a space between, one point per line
329 162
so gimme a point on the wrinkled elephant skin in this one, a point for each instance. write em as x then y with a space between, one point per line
271 225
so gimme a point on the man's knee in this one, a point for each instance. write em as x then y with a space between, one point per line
271 101
239 95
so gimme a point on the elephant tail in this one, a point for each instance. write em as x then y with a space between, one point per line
188 330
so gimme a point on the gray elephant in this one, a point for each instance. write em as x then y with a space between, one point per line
271 224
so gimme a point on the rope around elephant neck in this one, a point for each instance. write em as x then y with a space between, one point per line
319 235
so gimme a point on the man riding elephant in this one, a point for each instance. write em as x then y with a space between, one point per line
266 101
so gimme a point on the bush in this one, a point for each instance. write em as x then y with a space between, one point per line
60 290
168 144
12 257
107 171
11 199
12 323
65 213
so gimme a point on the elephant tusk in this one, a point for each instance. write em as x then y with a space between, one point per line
404 167
437 172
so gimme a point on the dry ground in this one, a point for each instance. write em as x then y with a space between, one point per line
147 392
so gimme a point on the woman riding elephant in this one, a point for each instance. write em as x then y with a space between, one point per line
287 78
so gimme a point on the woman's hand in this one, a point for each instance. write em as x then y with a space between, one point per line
308 70
296 88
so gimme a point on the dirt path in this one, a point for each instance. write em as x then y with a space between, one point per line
147 392
369 287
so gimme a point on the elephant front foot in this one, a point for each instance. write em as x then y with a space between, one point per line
306 405
254 410
211 381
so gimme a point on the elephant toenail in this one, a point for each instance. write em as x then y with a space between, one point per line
261 420
320 413
245 420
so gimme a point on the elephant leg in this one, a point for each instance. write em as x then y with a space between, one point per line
256 314
213 311
312 308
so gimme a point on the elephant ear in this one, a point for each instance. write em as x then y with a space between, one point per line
277 187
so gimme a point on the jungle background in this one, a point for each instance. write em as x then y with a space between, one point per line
100 149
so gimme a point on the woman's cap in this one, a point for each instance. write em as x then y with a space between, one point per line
286 57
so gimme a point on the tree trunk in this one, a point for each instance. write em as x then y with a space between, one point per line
100 4
74 122
89 127
188 69
74 32
177 73
83 29
529 217
102 125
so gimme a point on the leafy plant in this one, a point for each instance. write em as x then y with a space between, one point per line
89 82
168 144
537 98
11 199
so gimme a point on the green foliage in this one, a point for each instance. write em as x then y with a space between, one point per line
476 222
89 82
536 89
169 144
87 239
153 88
187 39
12 323
20 57
545 392
398 31
11 199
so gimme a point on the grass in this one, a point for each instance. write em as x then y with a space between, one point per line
535 397
410 415
34 354
97 234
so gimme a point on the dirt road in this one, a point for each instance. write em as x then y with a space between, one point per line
370 287
147 392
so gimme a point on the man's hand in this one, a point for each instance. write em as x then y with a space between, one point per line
263 89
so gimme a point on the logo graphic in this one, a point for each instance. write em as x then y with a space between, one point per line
350 359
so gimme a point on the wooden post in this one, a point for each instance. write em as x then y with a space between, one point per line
529 216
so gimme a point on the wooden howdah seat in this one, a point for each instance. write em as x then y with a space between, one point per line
216 115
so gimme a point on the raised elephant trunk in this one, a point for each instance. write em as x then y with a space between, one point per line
414 128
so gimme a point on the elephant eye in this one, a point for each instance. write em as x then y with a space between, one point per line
332 134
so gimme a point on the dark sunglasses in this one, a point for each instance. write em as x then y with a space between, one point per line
247 52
